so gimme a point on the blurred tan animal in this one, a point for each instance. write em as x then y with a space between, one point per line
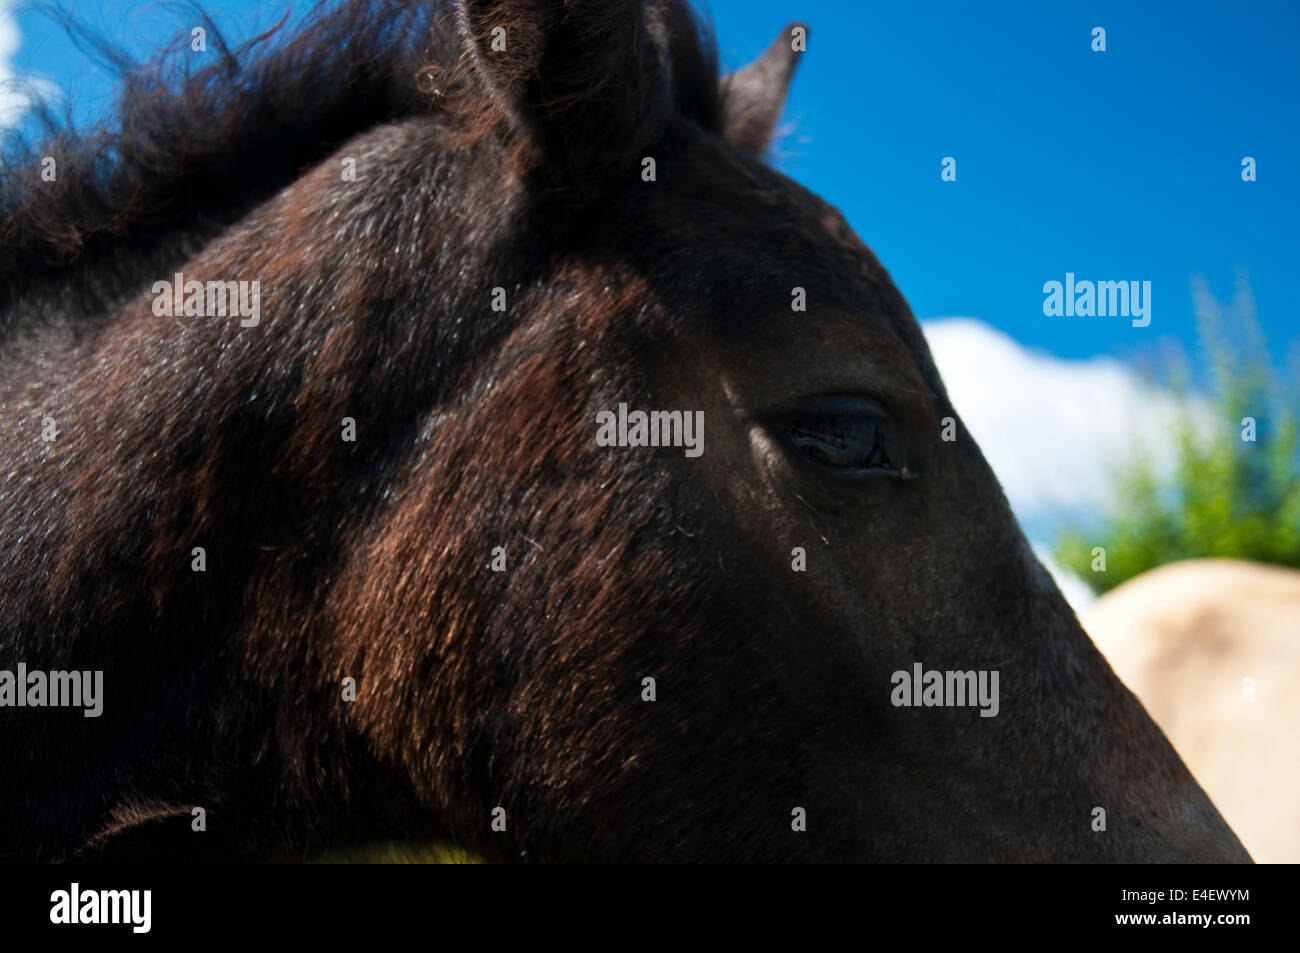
1212 648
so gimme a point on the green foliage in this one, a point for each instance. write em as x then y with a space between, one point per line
1226 496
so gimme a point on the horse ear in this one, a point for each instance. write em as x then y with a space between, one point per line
754 96
585 81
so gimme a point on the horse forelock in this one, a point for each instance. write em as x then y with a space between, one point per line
189 151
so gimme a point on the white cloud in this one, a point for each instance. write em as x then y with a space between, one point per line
13 100
1053 430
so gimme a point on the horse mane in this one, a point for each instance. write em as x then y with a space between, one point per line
190 150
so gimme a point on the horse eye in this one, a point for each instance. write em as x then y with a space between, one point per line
850 444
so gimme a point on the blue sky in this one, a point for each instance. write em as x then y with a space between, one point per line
1122 165
1116 165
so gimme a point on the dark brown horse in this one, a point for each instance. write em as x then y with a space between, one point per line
353 560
